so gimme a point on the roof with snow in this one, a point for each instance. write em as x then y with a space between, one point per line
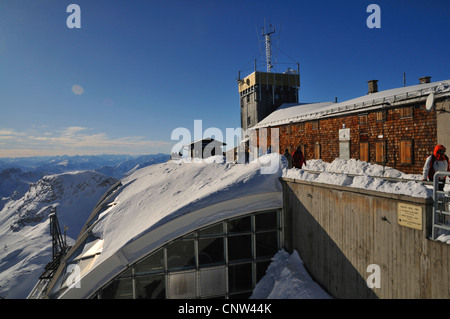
160 203
293 112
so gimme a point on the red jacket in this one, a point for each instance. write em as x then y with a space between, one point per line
299 159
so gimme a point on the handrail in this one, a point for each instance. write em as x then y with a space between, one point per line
441 204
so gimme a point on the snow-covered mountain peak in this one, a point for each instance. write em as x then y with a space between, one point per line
63 190
24 225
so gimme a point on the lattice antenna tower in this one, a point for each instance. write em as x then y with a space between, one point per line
266 35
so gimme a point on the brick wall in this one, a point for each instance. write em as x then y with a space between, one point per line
400 130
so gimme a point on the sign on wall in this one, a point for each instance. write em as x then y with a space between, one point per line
344 134
410 215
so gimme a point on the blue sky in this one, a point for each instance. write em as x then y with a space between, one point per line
147 67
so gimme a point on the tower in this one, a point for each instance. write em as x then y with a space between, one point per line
262 92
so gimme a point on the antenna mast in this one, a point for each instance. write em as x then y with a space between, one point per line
266 36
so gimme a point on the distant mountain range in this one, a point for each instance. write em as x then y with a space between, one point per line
30 188
17 174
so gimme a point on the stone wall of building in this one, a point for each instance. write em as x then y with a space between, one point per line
400 137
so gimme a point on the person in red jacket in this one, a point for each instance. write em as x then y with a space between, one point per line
298 157
437 162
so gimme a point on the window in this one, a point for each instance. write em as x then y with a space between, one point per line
119 289
210 251
406 112
406 152
317 151
213 281
363 119
150 287
249 121
225 259
301 127
380 116
153 263
364 151
239 247
315 125
180 254
182 285
380 156
239 225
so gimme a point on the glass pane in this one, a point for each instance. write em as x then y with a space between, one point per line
239 225
126 273
212 282
182 285
154 262
150 287
212 230
266 244
180 254
119 289
210 251
266 221
261 268
239 247
240 277
242 295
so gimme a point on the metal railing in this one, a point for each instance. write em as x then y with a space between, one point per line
441 206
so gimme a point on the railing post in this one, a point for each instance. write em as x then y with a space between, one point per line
439 210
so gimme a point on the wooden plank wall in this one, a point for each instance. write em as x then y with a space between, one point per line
340 231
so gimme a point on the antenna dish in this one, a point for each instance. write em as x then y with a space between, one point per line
429 104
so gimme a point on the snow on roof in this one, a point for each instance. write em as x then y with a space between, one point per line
161 202
294 112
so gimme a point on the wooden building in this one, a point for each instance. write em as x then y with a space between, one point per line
205 148
398 128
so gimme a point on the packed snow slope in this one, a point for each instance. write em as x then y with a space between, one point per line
25 241
158 194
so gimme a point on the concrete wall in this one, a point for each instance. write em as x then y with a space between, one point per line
339 232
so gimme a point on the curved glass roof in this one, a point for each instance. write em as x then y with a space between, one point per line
157 204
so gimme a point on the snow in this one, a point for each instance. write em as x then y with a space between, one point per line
25 241
342 172
301 112
160 193
287 278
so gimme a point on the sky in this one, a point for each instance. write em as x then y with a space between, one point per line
135 71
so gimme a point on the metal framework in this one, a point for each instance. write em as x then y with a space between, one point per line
441 205
59 246
266 36
208 280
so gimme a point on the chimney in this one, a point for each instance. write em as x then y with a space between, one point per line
373 86
425 79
